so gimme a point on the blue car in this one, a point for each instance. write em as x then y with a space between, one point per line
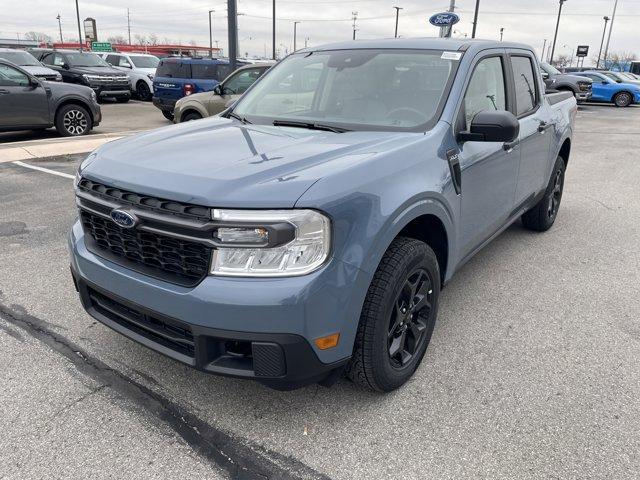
605 89
178 77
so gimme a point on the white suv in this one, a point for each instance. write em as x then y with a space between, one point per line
141 68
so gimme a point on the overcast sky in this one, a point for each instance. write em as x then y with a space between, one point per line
325 21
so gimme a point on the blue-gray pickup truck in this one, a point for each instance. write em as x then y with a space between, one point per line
307 231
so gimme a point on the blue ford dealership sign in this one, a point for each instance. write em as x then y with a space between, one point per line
445 19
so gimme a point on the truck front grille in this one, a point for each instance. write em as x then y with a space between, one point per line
178 261
584 86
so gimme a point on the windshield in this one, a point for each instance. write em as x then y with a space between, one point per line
550 69
144 62
85 60
612 76
20 58
361 89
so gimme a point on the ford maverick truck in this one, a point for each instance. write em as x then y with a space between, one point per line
306 232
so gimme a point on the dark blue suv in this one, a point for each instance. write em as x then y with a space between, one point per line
178 77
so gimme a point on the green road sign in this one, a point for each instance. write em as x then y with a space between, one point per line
101 47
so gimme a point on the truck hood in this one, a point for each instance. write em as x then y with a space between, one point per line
565 77
218 162
98 71
37 70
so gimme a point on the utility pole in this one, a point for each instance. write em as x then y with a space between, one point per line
60 28
274 29
210 34
129 26
79 31
544 46
447 31
397 15
475 19
501 32
555 36
606 49
354 18
295 35
232 26
606 19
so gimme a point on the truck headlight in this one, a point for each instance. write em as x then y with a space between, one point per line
270 243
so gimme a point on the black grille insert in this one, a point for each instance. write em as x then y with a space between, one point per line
177 337
178 261
145 201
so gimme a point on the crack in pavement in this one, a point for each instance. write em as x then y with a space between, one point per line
237 456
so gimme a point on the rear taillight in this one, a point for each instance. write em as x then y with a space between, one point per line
187 89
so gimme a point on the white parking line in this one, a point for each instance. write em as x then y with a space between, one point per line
45 170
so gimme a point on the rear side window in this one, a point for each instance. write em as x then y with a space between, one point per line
525 83
173 69
486 90
206 71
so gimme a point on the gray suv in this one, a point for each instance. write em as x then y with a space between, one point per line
27 103
554 79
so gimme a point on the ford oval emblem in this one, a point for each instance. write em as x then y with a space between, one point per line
123 218
445 19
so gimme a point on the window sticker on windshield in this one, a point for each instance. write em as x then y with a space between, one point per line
451 55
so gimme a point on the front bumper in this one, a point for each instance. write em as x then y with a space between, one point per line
120 91
273 321
583 96
166 105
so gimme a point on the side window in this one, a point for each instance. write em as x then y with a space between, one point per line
486 90
47 59
10 77
240 82
525 84
124 62
112 59
58 60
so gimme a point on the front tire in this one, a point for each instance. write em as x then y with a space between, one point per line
191 116
622 99
73 121
397 318
167 114
143 91
542 216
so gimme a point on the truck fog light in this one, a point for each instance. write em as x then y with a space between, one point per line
330 341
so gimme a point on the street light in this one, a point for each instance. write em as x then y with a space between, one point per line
475 19
79 32
397 15
60 27
606 49
606 19
501 32
555 36
295 34
210 35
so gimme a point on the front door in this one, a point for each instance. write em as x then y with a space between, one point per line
489 171
21 102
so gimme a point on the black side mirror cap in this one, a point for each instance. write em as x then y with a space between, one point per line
66 66
492 126
218 89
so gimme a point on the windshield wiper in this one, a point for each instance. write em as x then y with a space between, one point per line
310 126
238 117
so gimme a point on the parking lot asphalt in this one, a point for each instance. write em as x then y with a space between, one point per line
117 117
532 371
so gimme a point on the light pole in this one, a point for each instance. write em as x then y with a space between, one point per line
295 35
354 18
501 32
79 32
606 49
544 46
232 32
397 15
60 28
274 29
555 36
475 19
210 34
606 19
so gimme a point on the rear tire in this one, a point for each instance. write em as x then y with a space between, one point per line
622 99
143 91
542 216
191 116
397 318
73 120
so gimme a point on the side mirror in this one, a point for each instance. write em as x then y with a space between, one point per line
604 82
66 66
218 89
492 126
545 76
34 82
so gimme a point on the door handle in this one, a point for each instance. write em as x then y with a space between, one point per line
509 146
544 126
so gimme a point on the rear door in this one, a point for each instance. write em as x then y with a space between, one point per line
21 103
489 171
171 75
536 125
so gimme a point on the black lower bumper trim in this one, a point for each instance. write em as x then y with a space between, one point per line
277 360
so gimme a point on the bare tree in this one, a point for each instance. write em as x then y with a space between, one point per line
140 39
562 61
153 39
117 39
620 60
192 43
38 36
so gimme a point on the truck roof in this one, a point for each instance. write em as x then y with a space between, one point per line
426 43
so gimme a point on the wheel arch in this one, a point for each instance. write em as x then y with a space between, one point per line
429 229
565 151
